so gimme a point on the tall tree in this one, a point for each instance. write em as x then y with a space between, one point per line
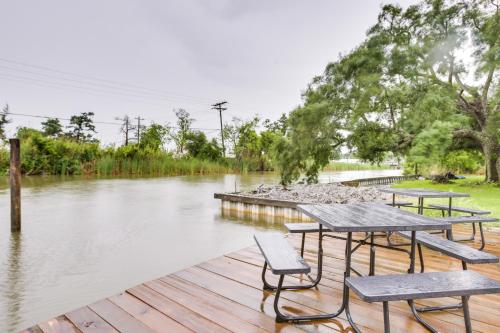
154 137
180 133
52 127
431 68
4 120
125 128
230 131
452 47
198 146
82 127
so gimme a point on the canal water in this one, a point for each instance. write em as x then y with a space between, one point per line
85 239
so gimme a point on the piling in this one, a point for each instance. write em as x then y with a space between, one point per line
15 185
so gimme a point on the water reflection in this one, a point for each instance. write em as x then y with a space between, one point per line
265 222
85 239
14 287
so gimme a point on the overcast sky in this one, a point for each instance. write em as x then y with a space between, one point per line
145 58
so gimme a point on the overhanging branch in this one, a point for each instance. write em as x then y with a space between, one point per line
467 134
469 89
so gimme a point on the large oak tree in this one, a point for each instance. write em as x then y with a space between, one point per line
425 80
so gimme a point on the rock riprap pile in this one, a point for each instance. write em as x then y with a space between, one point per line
318 193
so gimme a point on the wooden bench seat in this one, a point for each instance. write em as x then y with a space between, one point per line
452 249
400 287
280 256
283 260
461 209
300 228
473 219
399 203
410 287
468 219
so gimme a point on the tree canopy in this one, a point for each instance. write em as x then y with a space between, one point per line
52 127
81 127
424 83
4 120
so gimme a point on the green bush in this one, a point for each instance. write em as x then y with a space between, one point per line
57 156
4 160
463 161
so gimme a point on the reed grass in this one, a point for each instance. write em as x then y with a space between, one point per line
347 166
158 166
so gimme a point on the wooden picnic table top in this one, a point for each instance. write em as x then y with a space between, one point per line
369 217
423 193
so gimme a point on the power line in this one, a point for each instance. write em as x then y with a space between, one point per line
99 122
86 90
91 89
66 87
59 118
104 80
92 84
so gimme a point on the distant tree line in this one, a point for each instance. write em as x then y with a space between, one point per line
73 149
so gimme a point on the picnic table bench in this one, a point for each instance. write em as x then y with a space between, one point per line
466 254
472 211
282 260
409 287
399 204
476 216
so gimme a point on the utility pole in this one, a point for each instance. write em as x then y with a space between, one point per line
220 107
139 128
125 127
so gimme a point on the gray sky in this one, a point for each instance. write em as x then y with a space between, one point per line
153 56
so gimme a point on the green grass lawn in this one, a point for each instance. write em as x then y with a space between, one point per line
482 195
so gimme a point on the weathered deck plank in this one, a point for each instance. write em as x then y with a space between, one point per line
225 294
60 324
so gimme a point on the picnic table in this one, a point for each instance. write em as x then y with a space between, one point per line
369 218
421 194
427 193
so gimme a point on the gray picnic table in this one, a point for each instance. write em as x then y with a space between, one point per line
421 194
368 218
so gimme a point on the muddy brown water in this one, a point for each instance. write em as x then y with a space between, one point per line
85 239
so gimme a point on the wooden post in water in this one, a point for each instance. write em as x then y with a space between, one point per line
15 185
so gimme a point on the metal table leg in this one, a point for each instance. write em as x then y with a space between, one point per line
347 273
372 254
411 270
449 233
465 302
280 317
387 323
483 241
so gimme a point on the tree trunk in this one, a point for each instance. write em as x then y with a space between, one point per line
491 150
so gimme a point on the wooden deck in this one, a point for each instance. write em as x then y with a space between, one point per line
225 294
